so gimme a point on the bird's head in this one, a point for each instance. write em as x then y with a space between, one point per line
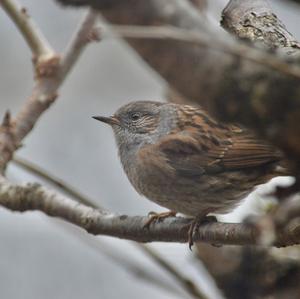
137 123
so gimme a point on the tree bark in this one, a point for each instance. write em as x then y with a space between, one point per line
256 21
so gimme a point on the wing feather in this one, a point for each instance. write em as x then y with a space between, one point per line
192 155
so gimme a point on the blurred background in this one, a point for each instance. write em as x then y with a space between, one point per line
41 257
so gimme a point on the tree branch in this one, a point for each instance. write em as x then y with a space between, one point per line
256 21
84 34
171 33
35 197
50 74
71 191
38 44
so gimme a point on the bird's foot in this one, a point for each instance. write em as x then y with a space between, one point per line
195 224
157 217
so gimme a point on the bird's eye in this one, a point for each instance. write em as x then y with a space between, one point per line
135 116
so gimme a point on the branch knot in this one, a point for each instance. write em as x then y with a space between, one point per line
46 66
8 143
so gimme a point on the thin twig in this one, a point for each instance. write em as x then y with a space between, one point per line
84 34
47 87
71 191
133 267
196 38
30 31
185 282
50 74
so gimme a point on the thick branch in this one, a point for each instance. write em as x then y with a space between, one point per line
35 197
169 33
256 21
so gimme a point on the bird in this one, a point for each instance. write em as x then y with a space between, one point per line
181 158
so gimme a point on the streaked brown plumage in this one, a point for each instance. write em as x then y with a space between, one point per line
182 159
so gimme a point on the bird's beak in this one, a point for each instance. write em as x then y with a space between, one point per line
112 120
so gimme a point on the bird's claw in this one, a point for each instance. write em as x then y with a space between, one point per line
157 217
194 227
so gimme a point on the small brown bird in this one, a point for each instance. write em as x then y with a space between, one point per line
182 159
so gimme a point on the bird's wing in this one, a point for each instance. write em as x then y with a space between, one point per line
193 153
